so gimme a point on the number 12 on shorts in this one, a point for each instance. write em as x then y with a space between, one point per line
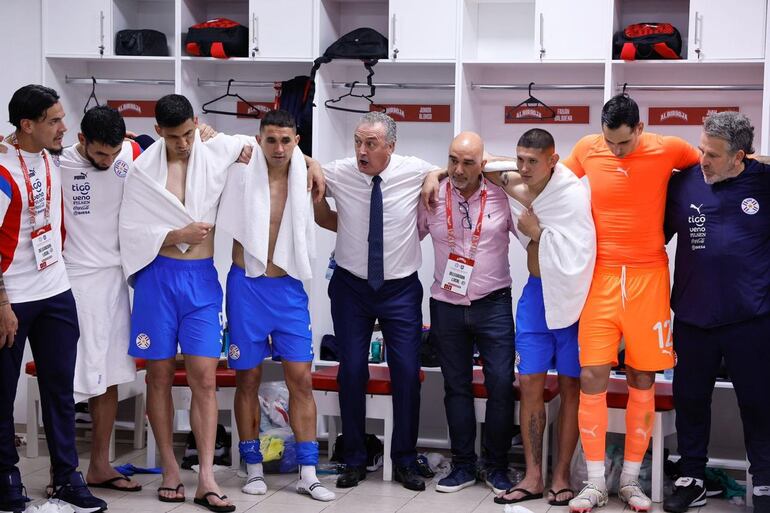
660 327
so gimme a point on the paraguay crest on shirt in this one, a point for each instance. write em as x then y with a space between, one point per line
750 206
121 168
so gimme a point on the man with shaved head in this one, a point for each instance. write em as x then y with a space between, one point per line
471 304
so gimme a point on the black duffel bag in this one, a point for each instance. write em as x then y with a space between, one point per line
220 38
647 41
141 42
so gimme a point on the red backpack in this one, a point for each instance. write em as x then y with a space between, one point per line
220 37
642 41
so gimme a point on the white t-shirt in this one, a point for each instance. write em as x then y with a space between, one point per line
352 191
91 206
23 282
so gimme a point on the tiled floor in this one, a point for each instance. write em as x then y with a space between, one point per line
371 496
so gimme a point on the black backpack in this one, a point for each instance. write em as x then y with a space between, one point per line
363 43
374 451
141 42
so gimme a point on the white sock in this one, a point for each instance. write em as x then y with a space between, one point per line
630 472
309 484
596 474
307 473
255 480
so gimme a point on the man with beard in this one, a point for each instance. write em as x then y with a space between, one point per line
35 298
93 173
471 305
719 211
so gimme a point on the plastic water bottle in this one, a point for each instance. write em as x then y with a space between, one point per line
332 266
669 374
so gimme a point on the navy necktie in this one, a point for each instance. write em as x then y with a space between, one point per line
376 271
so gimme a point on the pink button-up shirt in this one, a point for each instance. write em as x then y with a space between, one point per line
491 271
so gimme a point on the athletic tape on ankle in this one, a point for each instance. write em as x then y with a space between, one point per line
307 453
250 452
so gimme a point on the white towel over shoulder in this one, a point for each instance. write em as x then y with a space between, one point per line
149 211
244 212
567 251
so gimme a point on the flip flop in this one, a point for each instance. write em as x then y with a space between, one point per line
110 485
167 489
528 496
203 501
554 502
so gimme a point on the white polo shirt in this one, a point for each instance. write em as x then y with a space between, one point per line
352 191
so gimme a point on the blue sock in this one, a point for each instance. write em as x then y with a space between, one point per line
307 453
250 452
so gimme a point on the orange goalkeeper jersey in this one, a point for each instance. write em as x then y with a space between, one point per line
628 195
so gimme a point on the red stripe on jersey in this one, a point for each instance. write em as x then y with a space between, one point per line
63 229
136 149
9 230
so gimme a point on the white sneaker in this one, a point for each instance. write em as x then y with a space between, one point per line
255 485
315 490
590 497
632 494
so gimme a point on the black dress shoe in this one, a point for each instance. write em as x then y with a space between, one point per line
351 476
409 478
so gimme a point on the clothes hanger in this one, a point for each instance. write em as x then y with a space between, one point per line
228 94
531 101
368 97
92 96
368 64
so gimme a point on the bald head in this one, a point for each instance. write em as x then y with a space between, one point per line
468 142
466 162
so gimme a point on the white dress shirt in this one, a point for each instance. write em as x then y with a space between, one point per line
352 191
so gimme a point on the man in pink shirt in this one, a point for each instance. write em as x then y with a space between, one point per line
471 305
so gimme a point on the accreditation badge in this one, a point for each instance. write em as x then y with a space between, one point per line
457 274
43 247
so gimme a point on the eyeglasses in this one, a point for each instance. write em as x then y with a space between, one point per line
466 221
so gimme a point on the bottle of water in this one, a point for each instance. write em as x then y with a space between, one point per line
332 266
669 374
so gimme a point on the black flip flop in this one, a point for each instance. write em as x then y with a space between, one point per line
528 496
203 501
564 502
167 489
110 485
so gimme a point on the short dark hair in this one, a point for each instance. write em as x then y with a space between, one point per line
172 110
620 110
30 102
279 118
103 124
538 139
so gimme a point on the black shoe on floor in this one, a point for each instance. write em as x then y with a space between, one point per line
688 492
714 487
12 494
423 467
351 476
75 493
407 475
761 503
